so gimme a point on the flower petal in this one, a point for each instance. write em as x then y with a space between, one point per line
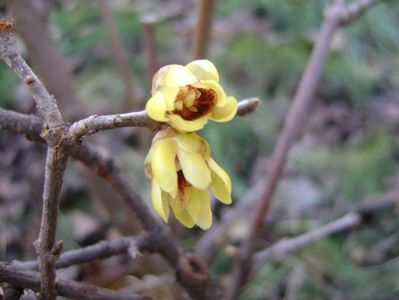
184 218
182 125
192 142
169 96
178 76
194 168
156 107
225 113
163 165
221 183
205 218
220 94
203 69
160 203
199 208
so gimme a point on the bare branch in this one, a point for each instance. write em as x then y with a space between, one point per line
356 9
293 123
19 123
119 54
149 23
93 124
46 104
20 277
47 249
285 247
203 28
101 250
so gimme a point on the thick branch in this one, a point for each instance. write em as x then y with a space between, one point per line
92 124
46 104
47 249
293 123
31 280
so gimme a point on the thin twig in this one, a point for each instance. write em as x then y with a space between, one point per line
47 249
203 28
46 104
285 247
18 276
101 250
119 54
149 23
293 123
93 124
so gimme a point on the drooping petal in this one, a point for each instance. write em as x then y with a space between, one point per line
192 142
160 203
194 204
199 208
226 112
178 76
156 107
194 168
182 125
215 86
205 217
221 183
163 165
184 217
203 69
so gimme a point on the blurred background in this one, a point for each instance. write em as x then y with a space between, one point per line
347 152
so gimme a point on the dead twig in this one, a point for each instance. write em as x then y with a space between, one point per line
336 15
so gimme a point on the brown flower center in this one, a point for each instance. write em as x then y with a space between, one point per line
192 103
182 183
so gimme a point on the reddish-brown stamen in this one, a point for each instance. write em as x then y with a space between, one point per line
182 183
202 105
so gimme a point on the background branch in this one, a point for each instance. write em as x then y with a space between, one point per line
20 277
203 28
293 123
119 55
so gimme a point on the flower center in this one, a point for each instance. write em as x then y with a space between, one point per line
182 183
192 103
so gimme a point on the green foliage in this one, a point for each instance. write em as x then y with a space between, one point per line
8 83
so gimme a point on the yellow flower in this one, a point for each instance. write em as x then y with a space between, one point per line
181 171
185 97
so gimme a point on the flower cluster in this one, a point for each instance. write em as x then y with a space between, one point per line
179 163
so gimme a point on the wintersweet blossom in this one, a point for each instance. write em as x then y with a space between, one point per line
181 171
185 97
